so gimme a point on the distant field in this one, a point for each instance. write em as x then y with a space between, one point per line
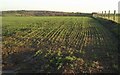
58 44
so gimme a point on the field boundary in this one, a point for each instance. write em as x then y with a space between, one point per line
106 23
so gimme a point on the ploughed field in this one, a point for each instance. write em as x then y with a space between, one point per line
58 44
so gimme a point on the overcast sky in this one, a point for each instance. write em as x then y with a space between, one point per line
60 5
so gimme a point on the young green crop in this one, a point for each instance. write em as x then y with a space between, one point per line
57 44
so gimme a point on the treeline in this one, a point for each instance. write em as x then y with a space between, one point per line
41 13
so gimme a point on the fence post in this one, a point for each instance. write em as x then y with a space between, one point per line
109 14
102 14
105 14
114 17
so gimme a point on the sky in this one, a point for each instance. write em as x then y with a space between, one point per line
86 6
